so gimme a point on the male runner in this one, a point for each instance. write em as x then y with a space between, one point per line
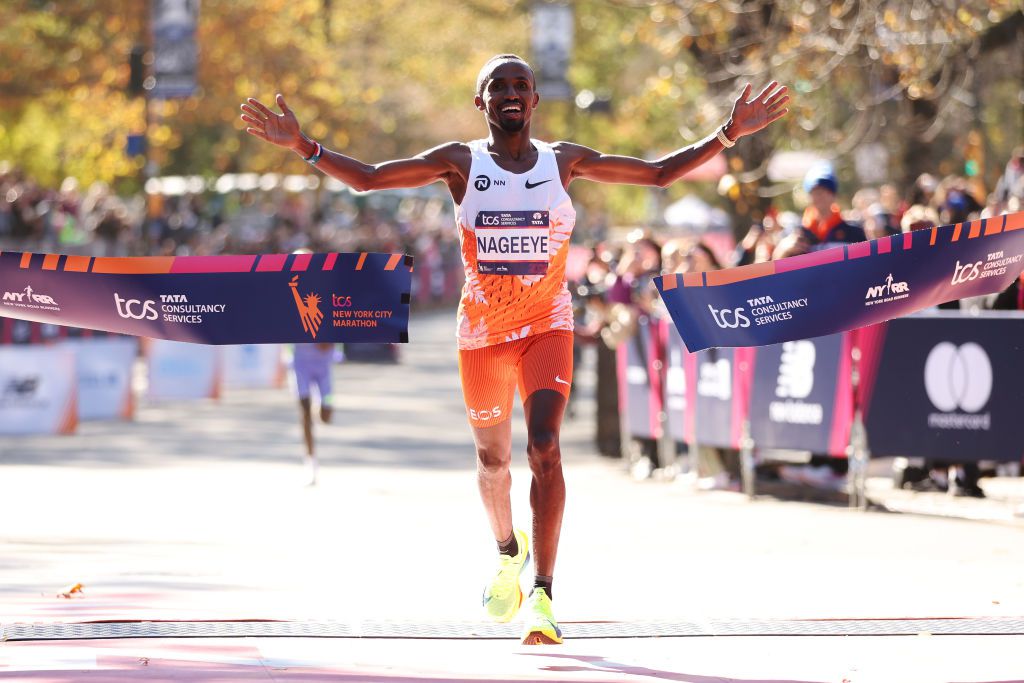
312 365
515 318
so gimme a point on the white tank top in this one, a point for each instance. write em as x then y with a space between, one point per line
514 230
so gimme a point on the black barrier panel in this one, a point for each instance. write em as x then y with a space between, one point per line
675 384
950 388
714 416
794 394
636 383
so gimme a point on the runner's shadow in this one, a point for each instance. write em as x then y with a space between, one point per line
596 664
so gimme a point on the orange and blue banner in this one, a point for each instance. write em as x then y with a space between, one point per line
273 298
848 287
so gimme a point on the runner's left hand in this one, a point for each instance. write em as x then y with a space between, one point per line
750 117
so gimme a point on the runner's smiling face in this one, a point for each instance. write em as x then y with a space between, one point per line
508 96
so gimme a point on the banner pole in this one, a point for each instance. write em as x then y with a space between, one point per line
747 472
858 452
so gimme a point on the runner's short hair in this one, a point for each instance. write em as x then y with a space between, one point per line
499 59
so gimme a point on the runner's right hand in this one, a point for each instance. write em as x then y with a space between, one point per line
280 129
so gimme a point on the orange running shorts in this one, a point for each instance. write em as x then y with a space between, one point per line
490 374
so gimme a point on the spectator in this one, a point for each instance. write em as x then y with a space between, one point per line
1011 298
882 218
923 190
701 259
760 241
919 217
823 223
1011 184
714 468
934 475
793 244
673 254
594 318
954 200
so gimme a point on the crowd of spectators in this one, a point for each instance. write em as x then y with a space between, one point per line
95 221
614 288
620 275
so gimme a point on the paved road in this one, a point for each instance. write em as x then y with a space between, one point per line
197 511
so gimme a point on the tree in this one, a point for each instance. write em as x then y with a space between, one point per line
859 70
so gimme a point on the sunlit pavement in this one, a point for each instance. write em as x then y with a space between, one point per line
198 512
698 660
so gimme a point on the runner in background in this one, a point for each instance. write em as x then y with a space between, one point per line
311 364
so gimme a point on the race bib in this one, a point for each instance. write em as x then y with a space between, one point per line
512 242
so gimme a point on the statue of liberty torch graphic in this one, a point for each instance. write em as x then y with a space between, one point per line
309 310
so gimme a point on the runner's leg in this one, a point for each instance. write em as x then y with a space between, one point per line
488 387
325 388
307 424
544 409
493 457
304 376
545 376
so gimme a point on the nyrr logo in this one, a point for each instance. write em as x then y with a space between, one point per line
483 183
729 318
958 378
135 309
309 309
29 296
890 291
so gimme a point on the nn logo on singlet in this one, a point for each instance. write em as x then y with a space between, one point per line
482 183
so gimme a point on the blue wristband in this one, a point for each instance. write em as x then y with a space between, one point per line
313 158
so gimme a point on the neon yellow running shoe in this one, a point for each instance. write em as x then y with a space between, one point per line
503 596
540 627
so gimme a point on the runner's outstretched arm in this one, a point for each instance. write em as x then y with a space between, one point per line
747 117
283 130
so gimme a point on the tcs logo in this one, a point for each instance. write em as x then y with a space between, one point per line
135 309
484 415
729 318
965 273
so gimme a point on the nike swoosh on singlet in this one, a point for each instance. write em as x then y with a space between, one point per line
530 186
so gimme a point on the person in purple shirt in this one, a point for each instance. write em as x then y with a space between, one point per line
312 365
